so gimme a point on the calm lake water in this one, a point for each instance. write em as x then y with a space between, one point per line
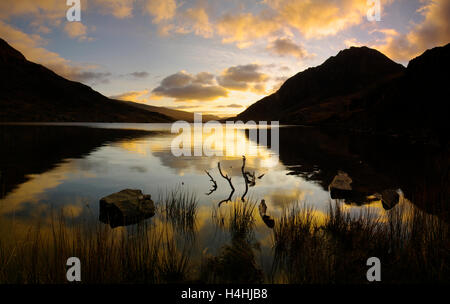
46 167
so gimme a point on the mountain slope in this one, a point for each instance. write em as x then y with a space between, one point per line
175 114
31 92
414 105
361 89
330 84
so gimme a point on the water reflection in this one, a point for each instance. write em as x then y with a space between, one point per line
46 168
67 166
375 164
56 164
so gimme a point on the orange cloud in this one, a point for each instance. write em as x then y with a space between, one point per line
48 9
31 46
287 47
118 8
433 31
315 19
244 28
77 30
195 20
135 96
161 10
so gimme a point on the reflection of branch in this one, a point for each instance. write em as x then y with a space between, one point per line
214 186
245 178
231 185
250 178
267 219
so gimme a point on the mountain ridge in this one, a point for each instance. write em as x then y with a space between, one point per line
350 70
175 114
362 89
30 92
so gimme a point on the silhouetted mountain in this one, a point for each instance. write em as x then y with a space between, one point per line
415 104
330 84
31 92
174 114
362 89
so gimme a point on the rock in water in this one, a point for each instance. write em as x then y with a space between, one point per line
126 207
340 187
390 198
269 221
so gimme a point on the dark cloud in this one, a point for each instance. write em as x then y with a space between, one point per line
90 77
188 87
184 86
242 77
139 74
287 47
233 105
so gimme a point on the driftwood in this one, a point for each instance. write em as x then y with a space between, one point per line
249 178
214 186
245 178
229 182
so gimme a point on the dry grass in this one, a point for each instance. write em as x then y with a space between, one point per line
150 252
413 247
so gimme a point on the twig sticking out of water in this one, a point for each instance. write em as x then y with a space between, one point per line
245 178
229 182
214 186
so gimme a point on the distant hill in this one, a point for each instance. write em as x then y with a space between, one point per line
360 88
175 114
30 92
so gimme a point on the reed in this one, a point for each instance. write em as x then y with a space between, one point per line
406 240
413 246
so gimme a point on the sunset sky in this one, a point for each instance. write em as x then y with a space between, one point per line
216 56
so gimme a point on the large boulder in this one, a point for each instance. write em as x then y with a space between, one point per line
389 198
126 207
340 187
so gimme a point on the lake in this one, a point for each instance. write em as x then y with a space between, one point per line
70 166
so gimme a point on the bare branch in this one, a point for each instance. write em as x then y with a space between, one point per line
214 186
245 178
229 182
